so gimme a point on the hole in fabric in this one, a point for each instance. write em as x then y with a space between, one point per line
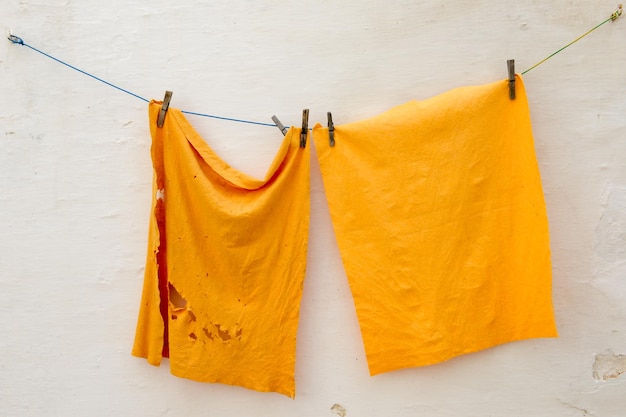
160 194
191 315
208 334
223 334
175 298
174 316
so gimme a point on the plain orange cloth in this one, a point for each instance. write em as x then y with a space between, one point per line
226 261
439 215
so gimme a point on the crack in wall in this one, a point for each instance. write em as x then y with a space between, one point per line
586 413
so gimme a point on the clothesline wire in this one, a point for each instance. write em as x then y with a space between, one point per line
230 119
617 13
20 41
17 40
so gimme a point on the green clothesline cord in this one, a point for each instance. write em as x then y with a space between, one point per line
617 13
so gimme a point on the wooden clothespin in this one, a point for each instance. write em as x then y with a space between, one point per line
279 125
511 67
305 127
331 130
164 107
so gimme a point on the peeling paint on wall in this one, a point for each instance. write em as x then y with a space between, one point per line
608 365
339 410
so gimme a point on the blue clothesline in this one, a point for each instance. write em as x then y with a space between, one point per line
20 41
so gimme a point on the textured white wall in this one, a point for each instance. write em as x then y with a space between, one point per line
75 179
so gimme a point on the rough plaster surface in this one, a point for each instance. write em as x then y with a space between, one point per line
608 365
75 180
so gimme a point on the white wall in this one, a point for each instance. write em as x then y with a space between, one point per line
75 177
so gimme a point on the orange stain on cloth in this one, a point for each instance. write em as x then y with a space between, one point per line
226 261
438 211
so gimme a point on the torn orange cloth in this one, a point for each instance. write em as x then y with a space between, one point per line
226 261
439 215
